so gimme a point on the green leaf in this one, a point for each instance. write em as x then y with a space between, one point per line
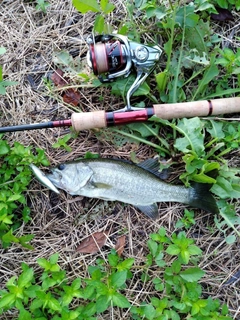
25 278
149 312
230 239
99 24
186 17
4 147
113 259
102 303
173 249
54 258
54 304
106 6
120 301
44 263
126 264
192 274
84 6
153 246
193 140
14 197
7 300
118 279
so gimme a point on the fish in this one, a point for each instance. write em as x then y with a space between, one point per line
123 181
42 178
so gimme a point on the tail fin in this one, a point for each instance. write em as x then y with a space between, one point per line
201 197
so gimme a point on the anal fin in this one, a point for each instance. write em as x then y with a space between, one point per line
151 210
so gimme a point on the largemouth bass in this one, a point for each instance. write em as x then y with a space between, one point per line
139 185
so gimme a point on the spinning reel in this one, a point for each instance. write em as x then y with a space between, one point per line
112 56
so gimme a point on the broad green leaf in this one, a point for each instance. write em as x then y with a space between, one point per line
54 258
120 301
9 237
7 300
99 24
84 6
186 17
153 246
4 147
149 312
113 259
145 130
54 304
194 250
126 264
102 303
230 239
118 279
1 74
106 6
193 140
173 249
161 79
192 274
14 197
25 278
44 263
185 255
215 128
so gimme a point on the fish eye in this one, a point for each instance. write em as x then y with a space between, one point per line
61 166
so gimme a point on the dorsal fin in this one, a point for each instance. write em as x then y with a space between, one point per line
151 165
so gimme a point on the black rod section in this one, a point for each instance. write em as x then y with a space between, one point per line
23 127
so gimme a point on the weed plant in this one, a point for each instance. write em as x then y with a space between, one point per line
177 281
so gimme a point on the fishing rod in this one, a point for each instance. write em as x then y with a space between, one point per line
102 119
112 56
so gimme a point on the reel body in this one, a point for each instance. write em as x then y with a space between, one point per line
112 56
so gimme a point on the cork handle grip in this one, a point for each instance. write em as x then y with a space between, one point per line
197 108
88 120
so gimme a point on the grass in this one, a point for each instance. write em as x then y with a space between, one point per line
59 224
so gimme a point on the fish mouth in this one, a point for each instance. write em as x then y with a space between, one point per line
43 178
55 179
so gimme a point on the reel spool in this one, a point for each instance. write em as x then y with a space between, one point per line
112 56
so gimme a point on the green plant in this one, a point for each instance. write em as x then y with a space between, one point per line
15 176
102 8
178 282
4 83
177 292
62 142
42 5
187 220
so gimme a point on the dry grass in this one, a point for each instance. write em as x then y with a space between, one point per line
60 223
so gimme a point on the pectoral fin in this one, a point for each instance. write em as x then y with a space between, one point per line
151 210
101 185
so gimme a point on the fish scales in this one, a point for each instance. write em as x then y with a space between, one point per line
132 184
139 185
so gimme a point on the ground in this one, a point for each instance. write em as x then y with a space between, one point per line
61 222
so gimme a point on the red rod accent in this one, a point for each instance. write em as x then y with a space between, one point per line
132 116
62 123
